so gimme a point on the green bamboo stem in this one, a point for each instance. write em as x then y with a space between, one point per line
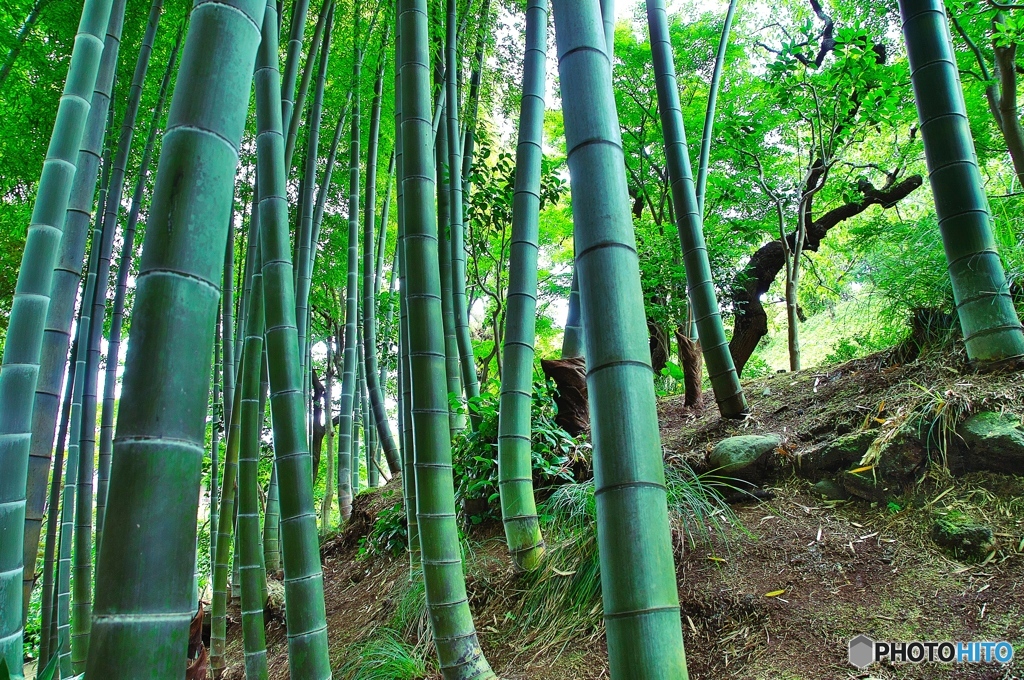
608 20
65 596
389 316
62 644
117 180
81 567
690 225
272 525
305 233
39 331
217 409
573 345
404 382
456 235
225 544
991 329
368 337
303 579
372 476
515 456
573 342
453 367
389 310
150 537
469 143
292 128
357 428
251 241
328 500
447 605
19 42
709 115
641 604
48 627
227 319
382 233
348 464
300 8
249 544
99 272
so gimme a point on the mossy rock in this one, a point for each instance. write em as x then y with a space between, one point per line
746 457
995 441
866 486
963 539
836 454
831 490
902 456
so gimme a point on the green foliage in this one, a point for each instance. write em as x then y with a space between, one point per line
33 624
845 349
757 367
390 533
475 454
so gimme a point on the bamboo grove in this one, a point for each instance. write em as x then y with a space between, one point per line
250 308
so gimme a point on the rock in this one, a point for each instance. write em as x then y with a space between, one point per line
831 490
836 454
901 456
965 540
747 457
570 376
995 441
894 465
866 486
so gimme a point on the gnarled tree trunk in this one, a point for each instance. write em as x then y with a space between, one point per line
764 265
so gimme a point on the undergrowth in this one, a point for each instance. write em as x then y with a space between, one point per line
557 457
399 650
561 601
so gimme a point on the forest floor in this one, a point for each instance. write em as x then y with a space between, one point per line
781 590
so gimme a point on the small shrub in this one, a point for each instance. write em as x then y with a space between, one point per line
756 367
557 456
390 533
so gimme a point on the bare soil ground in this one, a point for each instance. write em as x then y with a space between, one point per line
780 595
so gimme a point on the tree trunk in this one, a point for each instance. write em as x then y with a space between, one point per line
1008 120
319 428
570 377
692 362
659 346
306 615
20 39
751 321
454 632
80 127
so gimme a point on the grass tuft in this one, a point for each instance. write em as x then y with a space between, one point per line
385 656
561 600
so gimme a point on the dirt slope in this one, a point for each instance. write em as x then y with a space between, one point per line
843 567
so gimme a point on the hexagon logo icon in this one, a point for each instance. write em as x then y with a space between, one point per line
862 651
